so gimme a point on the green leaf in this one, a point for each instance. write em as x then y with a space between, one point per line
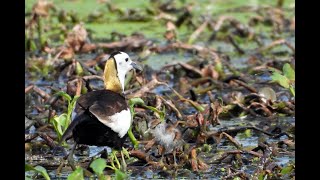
98 166
136 100
287 169
76 174
288 72
28 167
282 80
60 122
292 91
42 171
79 69
102 177
27 178
71 106
64 95
125 152
38 169
247 132
120 175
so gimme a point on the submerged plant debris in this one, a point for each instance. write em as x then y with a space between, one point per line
218 75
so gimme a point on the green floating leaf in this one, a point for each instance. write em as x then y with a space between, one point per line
120 175
288 72
76 174
287 169
98 166
282 80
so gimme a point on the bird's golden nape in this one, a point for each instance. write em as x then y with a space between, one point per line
111 79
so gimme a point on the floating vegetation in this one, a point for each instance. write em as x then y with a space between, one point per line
215 99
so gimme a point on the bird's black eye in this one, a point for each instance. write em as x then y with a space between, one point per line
127 59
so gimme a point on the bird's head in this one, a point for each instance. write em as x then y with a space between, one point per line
116 68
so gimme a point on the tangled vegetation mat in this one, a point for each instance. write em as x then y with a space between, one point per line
220 72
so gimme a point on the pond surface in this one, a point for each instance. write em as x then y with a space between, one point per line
110 22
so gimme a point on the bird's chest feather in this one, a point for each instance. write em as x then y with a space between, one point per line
119 122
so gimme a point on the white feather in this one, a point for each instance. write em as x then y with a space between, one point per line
162 136
119 122
123 66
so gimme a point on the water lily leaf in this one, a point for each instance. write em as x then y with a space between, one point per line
98 166
282 80
76 174
288 72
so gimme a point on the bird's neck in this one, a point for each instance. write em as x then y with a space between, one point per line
112 81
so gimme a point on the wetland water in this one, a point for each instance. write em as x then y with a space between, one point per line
220 56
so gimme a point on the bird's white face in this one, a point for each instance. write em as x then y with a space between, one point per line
123 65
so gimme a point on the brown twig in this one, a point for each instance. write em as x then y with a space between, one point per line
172 106
28 89
48 140
241 83
147 87
276 43
30 137
141 155
231 139
42 93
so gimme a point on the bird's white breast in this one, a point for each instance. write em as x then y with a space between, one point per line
119 122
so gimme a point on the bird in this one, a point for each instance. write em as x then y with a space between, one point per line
102 117
167 136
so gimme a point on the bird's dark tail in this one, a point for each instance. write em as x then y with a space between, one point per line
68 133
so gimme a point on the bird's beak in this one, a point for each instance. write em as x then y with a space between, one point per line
136 66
